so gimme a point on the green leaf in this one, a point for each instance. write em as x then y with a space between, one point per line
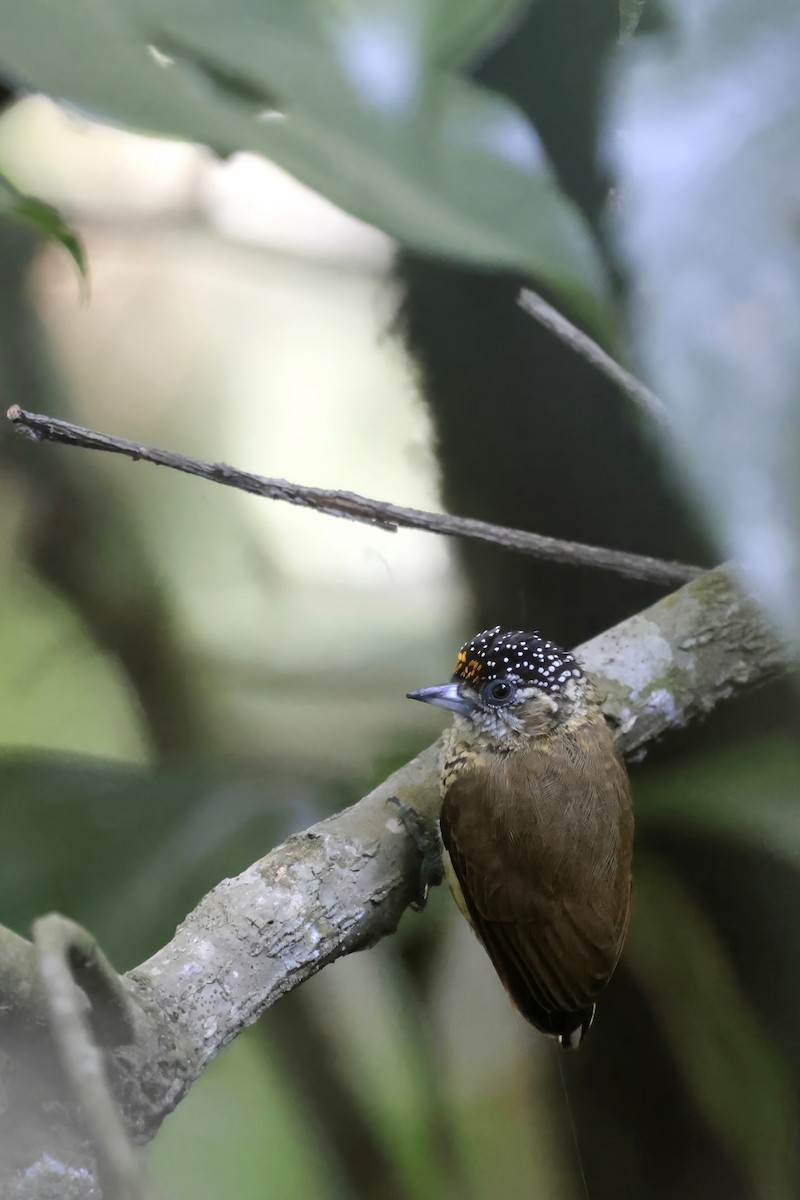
747 795
45 219
706 122
348 98
458 30
129 851
728 1063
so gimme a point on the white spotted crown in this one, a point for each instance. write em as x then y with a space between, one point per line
527 658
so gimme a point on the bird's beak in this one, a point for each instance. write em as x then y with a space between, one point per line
445 695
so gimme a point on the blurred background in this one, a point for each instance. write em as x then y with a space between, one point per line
188 674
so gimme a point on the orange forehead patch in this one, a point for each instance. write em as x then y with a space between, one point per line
469 669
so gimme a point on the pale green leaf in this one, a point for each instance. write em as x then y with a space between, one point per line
705 124
630 14
460 29
345 98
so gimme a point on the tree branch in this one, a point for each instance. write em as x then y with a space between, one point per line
389 517
64 950
343 884
645 400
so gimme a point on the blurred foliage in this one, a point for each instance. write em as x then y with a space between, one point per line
468 128
731 1067
707 161
45 219
361 102
630 14
742 794
125 842
240 1132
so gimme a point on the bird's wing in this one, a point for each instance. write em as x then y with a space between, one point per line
552 927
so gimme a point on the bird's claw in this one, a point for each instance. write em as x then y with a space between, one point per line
423 833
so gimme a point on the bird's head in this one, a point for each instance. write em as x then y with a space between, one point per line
511 684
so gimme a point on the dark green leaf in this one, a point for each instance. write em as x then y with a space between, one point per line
728 1062
128 851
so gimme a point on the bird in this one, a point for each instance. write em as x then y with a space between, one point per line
536 824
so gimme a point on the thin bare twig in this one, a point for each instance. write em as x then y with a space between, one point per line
336 503
645 400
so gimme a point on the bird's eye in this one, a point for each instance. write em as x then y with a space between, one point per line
500 691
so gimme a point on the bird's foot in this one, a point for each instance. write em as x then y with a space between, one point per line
423 833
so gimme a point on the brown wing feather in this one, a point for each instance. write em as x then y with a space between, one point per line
540 845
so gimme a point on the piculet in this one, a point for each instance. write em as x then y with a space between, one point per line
536 824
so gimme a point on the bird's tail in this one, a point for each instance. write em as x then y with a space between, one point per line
572 1039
